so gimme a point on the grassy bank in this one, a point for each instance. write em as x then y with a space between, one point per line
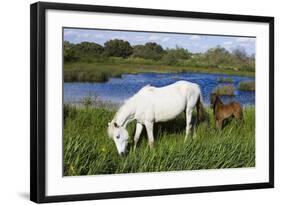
101 71
88 150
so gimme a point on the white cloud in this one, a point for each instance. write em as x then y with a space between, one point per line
153 38
203 48
165 39
77 35
227 43
244 45
98 36
195 37
69 32
119 37
84 35
139 38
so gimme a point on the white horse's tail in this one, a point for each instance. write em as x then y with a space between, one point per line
201 113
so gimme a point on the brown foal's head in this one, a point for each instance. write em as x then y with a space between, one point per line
213 98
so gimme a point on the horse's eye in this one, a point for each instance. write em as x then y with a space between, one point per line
118 136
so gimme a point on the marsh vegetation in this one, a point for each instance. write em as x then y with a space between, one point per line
89 151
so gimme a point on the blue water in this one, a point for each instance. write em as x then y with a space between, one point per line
116 90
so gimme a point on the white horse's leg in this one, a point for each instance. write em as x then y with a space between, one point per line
188 121
137 134
149 130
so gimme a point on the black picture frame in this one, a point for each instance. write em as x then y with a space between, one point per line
38 103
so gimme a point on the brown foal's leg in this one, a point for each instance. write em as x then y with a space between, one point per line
219 124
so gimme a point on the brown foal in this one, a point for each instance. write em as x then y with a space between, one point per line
223 112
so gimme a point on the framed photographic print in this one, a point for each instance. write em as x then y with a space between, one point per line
129 102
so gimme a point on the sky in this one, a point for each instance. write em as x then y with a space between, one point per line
194 43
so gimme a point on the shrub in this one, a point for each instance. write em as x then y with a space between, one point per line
247 85
87 101
173 56
224 90
217 56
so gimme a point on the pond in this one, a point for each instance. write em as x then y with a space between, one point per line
116 90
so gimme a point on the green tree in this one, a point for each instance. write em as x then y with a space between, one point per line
240 54
242 60
89 49
173 56
150 50
154 47
69 52
218 57
118 48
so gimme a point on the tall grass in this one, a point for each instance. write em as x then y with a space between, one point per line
89 151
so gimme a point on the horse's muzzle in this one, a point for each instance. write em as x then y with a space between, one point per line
123 154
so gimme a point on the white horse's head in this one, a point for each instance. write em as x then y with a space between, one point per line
119 135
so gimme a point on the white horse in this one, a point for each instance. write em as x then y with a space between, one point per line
155 104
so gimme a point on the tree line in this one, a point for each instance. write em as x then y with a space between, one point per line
217 57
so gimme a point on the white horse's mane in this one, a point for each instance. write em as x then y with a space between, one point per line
131 99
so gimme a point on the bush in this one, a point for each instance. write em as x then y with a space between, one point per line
217 56
224 90
173 56
87 101
247 85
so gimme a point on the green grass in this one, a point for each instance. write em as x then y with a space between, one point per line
247 86
88 150
101 71
224 90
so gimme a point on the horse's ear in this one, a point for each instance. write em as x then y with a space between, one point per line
108 123
115 125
